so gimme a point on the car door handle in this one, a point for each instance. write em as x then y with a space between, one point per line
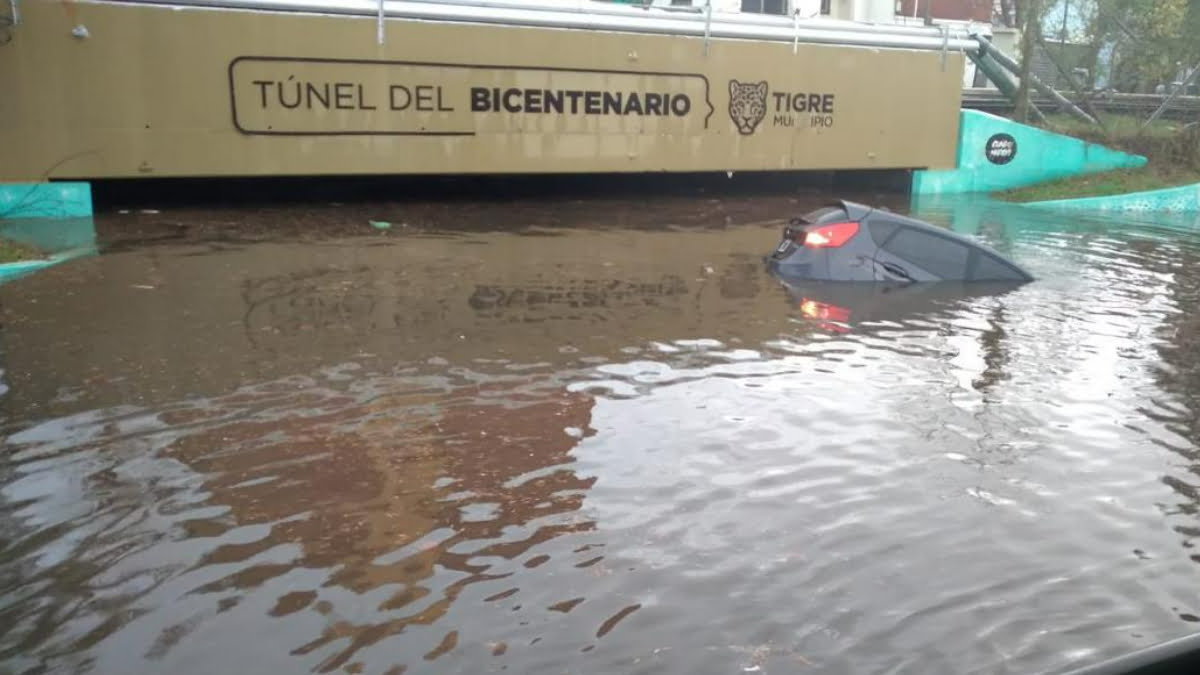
896 270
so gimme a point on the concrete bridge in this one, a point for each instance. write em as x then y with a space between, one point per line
224 88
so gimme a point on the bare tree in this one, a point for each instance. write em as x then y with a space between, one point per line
1030 12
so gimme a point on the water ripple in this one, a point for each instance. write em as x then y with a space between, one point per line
384 467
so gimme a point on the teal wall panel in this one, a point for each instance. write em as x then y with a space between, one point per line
1184 199
995 154
59 239
45 200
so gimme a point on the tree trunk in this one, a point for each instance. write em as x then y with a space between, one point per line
1029 38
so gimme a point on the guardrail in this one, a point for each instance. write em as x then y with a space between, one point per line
1181 108
612 17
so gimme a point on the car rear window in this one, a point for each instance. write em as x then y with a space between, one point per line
940 256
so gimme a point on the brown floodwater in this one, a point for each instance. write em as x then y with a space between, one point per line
591 436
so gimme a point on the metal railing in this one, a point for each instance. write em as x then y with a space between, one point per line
1178 108
608 17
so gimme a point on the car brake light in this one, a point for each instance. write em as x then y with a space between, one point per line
811 309
830 236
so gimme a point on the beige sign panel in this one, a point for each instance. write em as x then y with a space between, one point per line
317 97
153 91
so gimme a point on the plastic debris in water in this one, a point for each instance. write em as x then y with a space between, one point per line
380 224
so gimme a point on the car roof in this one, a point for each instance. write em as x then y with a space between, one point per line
854 210
860 212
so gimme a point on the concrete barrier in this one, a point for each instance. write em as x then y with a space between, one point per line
45 200
1183 199
995 154
55 218
60 239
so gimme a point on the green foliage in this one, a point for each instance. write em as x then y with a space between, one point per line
1190 33
1106 184
1151 39
1173 153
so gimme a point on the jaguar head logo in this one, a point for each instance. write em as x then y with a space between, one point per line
747 105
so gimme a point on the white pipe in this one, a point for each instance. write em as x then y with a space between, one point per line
693 13
637 21
595 8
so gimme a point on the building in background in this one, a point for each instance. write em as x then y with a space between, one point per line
873 11
980 11
980 14
977 13
876 11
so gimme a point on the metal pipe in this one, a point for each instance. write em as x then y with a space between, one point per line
1187 82
635 21
1133 104
988 49
688 13
997 75
591 7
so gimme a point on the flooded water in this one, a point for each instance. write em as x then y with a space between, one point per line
591 437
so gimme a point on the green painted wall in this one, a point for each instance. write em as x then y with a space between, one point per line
61 239
11 271
1185 199
995 154
51 235
45 200
998 221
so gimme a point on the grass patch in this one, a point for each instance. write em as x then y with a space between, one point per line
1105 184
1113 128
1172 151
11 251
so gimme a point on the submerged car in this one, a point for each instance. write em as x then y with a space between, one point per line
847 241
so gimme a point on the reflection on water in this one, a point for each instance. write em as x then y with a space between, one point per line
598 449
870 305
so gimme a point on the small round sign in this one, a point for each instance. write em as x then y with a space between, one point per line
1001 149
